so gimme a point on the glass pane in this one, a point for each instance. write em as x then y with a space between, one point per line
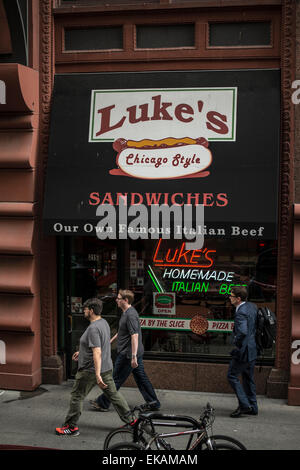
193 313
94 39
163 36
240 34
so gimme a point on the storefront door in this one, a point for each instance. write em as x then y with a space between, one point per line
90 271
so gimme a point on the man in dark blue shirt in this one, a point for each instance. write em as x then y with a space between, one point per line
130 354
244 354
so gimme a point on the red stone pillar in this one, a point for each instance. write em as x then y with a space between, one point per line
20 358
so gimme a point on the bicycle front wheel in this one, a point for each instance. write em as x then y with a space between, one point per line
126 446
117 436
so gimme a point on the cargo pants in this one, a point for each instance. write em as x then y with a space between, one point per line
84 382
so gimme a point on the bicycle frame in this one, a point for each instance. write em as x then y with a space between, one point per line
172 420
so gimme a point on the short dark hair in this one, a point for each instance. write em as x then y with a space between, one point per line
127 294
94 304
240 291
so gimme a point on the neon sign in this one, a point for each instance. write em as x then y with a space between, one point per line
192 287
189 287
182 258
183 324
178 263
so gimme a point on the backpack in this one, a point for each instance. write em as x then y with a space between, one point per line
266 324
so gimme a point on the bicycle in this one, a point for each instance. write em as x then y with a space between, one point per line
143 436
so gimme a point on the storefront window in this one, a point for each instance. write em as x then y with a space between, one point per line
182 295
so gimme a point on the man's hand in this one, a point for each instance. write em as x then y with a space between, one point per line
75 356
134 363
100 382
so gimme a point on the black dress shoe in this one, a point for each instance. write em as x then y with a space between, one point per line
240 411
251 412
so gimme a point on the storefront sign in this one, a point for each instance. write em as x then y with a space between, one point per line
217 132
183 258
209 112
122 115
164 304
183 324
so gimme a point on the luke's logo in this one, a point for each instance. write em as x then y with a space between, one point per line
167 158
209 112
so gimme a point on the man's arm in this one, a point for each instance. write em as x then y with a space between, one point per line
114 338
134 348
241 327
97 363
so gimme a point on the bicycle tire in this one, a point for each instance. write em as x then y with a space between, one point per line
117 436
217 441
126 446
231 440
225 447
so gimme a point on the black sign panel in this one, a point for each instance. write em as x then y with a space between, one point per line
193 137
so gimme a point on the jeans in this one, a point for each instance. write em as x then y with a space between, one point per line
245 392
84 382
122 370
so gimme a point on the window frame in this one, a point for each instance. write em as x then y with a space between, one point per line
132 58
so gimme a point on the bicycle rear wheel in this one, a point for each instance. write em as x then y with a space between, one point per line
126 446
225 447
220 439
117 436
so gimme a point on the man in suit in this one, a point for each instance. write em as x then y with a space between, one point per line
244 355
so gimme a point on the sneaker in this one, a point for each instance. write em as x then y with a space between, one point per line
133 422
155 408
96 406
67 431
128 425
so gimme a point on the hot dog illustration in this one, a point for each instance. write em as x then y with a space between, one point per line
167 158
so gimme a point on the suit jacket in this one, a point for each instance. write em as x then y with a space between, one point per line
244 333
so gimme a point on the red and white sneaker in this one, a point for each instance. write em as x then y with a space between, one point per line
131 424
67 431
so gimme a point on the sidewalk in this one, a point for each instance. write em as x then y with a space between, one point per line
30 418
